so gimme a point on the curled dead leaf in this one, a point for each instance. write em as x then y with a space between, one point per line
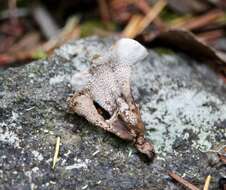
187 42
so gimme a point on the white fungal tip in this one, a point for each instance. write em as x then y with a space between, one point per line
129 51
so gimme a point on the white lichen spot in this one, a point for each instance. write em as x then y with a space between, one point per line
99 182
56 79
31 75
14 116
96 152
37 155
79 164
76 166
3 124
79 80
66 51
84 187
9 137
67 154
35 169
28 174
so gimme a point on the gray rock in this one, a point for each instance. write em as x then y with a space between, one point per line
182 104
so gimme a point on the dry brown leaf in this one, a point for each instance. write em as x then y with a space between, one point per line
184 40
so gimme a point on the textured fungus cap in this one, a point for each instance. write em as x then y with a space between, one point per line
129 51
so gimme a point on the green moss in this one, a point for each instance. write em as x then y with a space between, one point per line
89 27
23 3
39 54
167 15
19 98
49 124
164 51
96 56
35 69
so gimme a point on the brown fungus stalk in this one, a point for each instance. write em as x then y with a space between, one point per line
105 99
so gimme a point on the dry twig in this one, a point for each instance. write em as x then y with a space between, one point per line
70 31
12 10
104 10
198 22
45 21
28 42
183 181
223 159
209 37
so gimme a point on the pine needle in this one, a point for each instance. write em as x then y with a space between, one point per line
207 183
137 25
153 13
130 29
57 148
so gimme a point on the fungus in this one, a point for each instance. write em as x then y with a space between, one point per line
105 98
